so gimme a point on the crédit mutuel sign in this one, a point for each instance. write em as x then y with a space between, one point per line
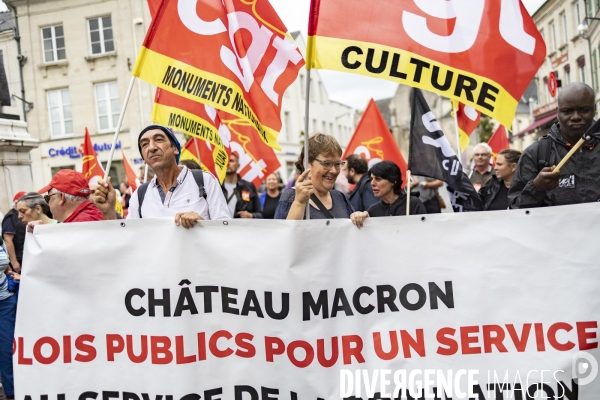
77 152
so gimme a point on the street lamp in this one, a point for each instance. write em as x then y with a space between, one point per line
582 29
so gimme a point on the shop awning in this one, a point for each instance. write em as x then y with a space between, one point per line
537 124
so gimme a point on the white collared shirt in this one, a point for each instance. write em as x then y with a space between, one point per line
184 197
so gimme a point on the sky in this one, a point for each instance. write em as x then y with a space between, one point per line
353 90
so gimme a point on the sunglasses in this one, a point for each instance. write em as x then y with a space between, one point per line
47 197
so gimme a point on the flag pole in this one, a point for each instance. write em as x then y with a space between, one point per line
197 151
408 176
119 123
458 147
306 120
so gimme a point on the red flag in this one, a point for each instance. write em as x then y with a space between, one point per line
459 49
198 120
91 165
499 141
467 119
130 173
232 55
373 140
195 146
257 160
154 5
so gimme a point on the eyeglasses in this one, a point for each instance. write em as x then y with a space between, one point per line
327 164
47 197
481 155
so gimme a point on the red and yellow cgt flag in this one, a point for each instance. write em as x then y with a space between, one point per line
481 53
467 119
257 161
373 140
91 166
232 55
197 120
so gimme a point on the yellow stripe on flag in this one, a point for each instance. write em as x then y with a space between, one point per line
201 86
411 69
464 139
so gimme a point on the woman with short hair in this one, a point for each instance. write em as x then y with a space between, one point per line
387 186
494 194
315 185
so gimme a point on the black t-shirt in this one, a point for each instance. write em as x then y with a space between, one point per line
270 206
500 202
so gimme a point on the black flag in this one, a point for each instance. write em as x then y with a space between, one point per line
431 155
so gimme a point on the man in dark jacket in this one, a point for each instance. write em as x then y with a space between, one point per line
240 195
362 196
577 181
13 233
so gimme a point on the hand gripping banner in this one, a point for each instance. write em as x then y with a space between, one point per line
232 55
483 53
490 306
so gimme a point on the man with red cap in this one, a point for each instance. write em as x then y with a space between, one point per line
13 234
69 198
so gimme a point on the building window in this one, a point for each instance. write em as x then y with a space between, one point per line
595 70
59 109
312 92
101 35
288 125
581 69
577 12
331 131
302 86
107 105
314 126
553 36
567 74
53 43
589 11
565 29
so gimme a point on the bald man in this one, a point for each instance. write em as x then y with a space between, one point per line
535 184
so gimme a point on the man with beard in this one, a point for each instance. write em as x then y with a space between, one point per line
240 195
535 183
362 196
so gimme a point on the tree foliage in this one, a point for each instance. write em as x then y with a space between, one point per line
485 129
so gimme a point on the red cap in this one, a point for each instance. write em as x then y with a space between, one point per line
70 182
18 196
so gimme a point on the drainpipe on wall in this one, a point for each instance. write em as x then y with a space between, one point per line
22 59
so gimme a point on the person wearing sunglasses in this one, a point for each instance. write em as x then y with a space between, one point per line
68 196
315 185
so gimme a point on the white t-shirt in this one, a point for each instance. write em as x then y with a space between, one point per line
185 197
230 187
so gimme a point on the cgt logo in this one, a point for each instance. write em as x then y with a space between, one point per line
584 368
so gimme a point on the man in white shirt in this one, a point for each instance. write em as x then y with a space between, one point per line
173 192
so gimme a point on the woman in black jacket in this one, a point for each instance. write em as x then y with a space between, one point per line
387 186
494 194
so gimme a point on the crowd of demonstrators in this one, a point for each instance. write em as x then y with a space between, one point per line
270 197
199 195
482 168
314 186
428 193
125 194
355 169
240 195
535 183
494 193
387 187
13 234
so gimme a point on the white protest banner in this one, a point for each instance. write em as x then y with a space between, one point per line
307 310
